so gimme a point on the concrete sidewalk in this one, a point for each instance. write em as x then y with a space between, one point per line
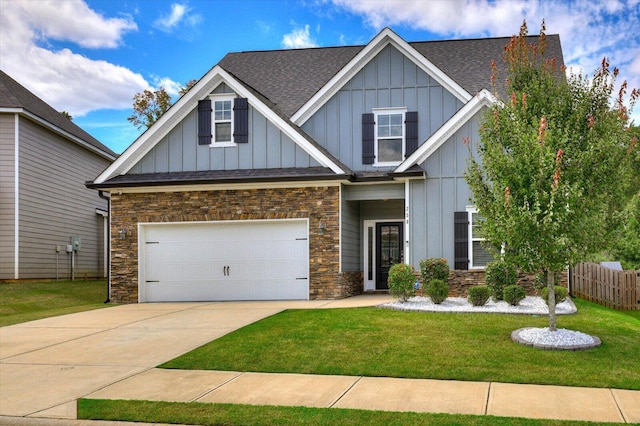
46 365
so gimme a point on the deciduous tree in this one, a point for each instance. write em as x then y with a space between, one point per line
149 105
552 162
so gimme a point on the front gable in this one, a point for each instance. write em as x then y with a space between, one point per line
389 80
266 147
171 143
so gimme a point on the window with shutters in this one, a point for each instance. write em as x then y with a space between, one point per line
478 256
389 136
222 121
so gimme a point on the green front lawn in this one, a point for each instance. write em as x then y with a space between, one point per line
387 343
227 414
27 301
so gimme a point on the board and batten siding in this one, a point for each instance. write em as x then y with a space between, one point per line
55 205
7 196
366 202
351 234
443 192
388 80
268 148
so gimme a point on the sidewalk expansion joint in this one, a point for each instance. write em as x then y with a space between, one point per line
486 404
207 392
613 395
346 391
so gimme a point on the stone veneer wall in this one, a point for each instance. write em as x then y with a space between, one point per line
318 204
461 280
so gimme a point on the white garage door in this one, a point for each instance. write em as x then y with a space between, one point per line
245 260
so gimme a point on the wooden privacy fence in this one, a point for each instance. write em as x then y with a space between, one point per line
605 286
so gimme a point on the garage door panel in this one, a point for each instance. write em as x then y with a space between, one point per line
253 260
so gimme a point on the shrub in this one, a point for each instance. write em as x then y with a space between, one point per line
561 294
479 295
438 290
513 294
401 281
434 269
500 274
541 280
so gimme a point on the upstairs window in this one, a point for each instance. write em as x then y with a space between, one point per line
389 136
222 120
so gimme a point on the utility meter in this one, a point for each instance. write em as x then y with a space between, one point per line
76 243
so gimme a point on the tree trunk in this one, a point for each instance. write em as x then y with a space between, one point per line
551 302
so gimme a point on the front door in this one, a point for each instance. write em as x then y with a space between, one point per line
389 250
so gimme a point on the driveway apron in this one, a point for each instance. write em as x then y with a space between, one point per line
46 365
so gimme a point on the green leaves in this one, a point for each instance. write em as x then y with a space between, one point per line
555 161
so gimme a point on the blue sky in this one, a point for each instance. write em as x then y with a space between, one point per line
89 57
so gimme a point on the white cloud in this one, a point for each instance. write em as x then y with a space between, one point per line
298 38
588 30
64 79
172 87
72 20
179 17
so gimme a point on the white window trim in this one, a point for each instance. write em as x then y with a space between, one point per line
384 111
470 212
214 99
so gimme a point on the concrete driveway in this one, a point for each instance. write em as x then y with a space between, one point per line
46 365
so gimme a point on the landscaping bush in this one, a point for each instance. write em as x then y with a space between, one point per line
401 281
540 281
513 294
434 269
500 274
479 295
438 290
561 294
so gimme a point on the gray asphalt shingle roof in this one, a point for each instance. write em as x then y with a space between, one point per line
14 95
289 78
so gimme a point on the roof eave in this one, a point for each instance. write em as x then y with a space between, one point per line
435 141
55 129
222 181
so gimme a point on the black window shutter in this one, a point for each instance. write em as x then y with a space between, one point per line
368 145
411 129
240 120
204 122
461 240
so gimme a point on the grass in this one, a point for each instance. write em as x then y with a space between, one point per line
387 343
235 414
27 301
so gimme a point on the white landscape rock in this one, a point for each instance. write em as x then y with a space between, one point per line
530 305
542 338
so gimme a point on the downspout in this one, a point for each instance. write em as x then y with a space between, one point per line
104 197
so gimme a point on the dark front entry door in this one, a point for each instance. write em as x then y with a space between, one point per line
389 250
